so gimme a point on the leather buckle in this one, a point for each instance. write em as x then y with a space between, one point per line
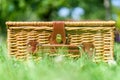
58 36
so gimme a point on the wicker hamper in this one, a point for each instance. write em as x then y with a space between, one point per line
25 38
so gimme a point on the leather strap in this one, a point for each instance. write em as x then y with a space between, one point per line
58 28
88 48
32 46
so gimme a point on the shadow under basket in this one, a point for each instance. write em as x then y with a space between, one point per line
25 38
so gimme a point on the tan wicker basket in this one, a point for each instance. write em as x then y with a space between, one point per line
99 34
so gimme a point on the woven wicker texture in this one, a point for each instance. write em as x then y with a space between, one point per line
99 33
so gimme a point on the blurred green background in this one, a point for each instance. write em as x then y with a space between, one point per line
49 10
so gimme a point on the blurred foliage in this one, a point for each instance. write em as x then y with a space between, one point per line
46 10
116 10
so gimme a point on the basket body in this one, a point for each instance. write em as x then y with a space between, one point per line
99 33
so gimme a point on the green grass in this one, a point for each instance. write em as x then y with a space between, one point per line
49 69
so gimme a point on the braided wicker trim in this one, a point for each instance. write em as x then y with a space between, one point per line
67 23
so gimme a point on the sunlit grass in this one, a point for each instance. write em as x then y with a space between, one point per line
48 69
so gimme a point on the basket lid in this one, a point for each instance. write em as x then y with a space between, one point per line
67 23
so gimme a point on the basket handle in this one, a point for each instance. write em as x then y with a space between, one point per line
53 48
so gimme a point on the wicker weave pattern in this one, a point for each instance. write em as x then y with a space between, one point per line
100 33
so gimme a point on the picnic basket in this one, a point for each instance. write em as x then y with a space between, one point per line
39 36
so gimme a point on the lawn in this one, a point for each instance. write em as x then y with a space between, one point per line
50 69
